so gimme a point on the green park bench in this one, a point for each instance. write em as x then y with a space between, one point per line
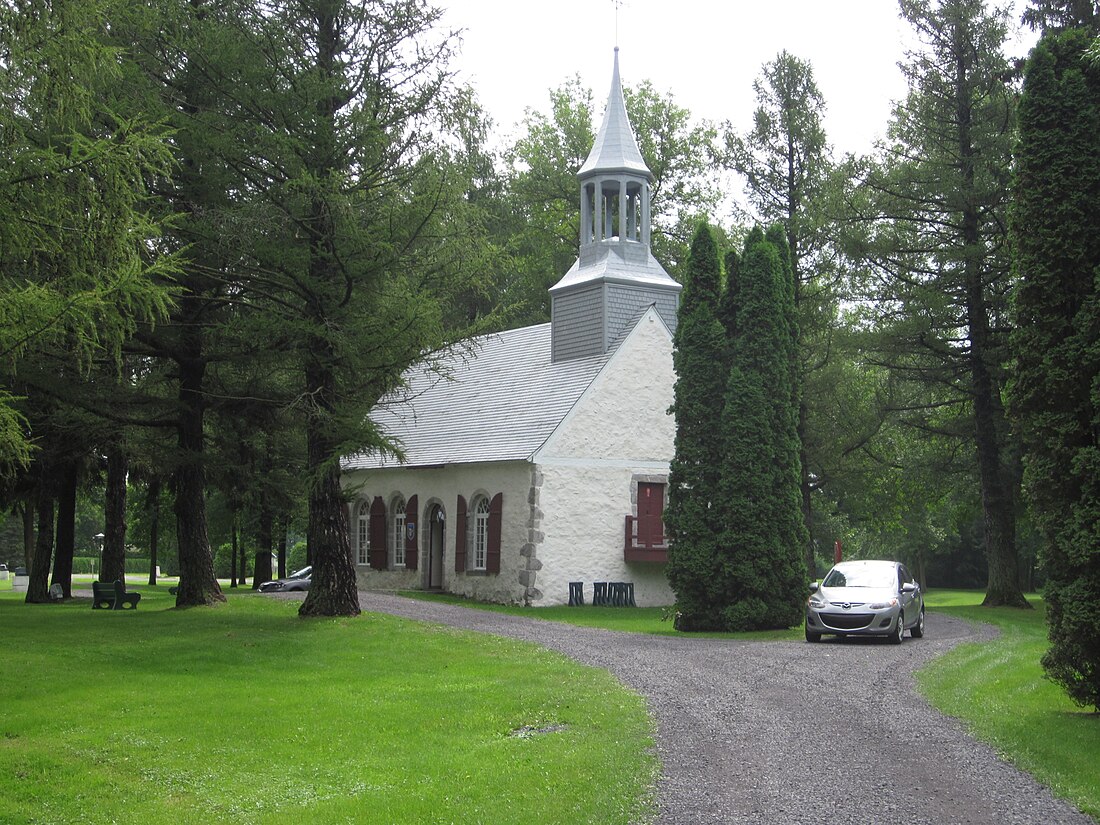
112 595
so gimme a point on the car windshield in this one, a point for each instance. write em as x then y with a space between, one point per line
862 576
301 574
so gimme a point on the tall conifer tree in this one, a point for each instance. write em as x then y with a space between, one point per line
933 215
734 516
1055 397
759 501
700 345
785 160
363 232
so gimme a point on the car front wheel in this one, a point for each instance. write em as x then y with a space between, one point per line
811 636
917 630
899 630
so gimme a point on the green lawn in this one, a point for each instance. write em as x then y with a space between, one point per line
999 692
245 713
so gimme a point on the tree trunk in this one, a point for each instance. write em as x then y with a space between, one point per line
242 579
152 506
114 517
66 529
283 527
807 490
794 209
233 552
38 591
28 532
332 589
262 571
198 584
999 518
998 506
264 545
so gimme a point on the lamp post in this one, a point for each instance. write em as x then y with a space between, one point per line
98 539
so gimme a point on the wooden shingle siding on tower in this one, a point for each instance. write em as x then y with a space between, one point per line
624 302
578 325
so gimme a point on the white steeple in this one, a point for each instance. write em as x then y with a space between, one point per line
615 275
615 148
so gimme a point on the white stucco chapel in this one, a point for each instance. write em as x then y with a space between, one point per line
539 456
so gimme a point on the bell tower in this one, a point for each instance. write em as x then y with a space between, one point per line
615 277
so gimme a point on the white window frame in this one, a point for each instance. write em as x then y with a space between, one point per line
481 533
362 542
398 509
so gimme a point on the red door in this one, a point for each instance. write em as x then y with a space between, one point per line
651 509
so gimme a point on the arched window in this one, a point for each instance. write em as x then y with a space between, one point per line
481 533
362 543
398 510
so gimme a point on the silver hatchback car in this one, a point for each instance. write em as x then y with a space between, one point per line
865 598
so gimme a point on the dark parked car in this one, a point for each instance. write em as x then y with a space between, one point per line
295 581
865 598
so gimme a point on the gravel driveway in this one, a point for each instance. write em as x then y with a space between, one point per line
786 732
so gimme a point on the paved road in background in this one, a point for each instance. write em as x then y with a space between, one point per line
786 732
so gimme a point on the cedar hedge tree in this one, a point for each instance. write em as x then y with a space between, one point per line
763 531
1055 395
699 351
735 527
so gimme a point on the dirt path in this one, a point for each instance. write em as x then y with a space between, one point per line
785 732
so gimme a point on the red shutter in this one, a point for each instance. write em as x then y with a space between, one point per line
492 554
460 537
378 554
651 508
412 531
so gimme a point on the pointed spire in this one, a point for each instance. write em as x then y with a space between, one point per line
616 148
615 277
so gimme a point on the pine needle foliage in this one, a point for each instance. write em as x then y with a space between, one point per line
80 261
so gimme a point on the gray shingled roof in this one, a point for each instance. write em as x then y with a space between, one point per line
616 148
498 403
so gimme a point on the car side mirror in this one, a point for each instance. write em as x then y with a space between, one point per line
813 587
908 587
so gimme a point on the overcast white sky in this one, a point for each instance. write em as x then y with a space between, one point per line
705 52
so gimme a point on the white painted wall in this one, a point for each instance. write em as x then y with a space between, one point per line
624 413
588 545
619 430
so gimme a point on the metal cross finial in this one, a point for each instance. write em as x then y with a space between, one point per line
618 4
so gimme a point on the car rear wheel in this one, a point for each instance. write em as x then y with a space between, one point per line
917 630
811 636
899 630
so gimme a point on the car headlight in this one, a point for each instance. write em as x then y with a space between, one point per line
816 604
883 605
